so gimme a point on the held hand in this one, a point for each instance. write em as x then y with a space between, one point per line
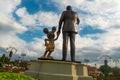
45 39
58 33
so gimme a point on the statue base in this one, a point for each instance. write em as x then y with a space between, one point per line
46 58
58 70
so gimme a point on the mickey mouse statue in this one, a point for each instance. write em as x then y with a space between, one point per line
49 43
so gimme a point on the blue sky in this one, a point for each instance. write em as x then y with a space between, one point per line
22 23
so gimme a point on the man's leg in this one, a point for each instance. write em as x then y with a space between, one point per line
65 45
72 46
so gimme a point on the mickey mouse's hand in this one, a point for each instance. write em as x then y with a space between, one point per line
46 39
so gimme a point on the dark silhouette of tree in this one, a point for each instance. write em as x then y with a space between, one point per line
4 59
116 72
105 68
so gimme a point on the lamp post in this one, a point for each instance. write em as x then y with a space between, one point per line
23 55
23 62
105 57
11 51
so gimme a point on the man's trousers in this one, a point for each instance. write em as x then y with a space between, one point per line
71 36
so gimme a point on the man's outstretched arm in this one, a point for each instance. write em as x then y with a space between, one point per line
60 24
78 20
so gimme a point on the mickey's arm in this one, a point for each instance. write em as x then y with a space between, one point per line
46 42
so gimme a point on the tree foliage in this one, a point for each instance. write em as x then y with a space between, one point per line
4 59
105 69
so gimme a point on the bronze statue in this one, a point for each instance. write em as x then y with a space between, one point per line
49 43
70 21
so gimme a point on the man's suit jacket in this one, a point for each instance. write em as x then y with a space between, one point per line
70 21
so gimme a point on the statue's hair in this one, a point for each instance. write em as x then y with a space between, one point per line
68 7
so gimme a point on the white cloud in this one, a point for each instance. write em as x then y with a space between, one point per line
33 49
26 18
112 38
48 18
39 19
99 7
8 26
8 30
8 6
104 13
62 4
97 22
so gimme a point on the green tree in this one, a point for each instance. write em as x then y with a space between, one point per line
105 68
4 59
116 71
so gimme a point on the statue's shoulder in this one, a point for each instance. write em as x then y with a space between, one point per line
74 12
64 12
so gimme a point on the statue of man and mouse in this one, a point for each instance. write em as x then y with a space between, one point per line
70 21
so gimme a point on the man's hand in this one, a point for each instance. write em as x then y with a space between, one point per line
58 33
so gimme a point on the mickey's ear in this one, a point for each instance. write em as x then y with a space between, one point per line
45 30
53 29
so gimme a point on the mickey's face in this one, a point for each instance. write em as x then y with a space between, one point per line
50 34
